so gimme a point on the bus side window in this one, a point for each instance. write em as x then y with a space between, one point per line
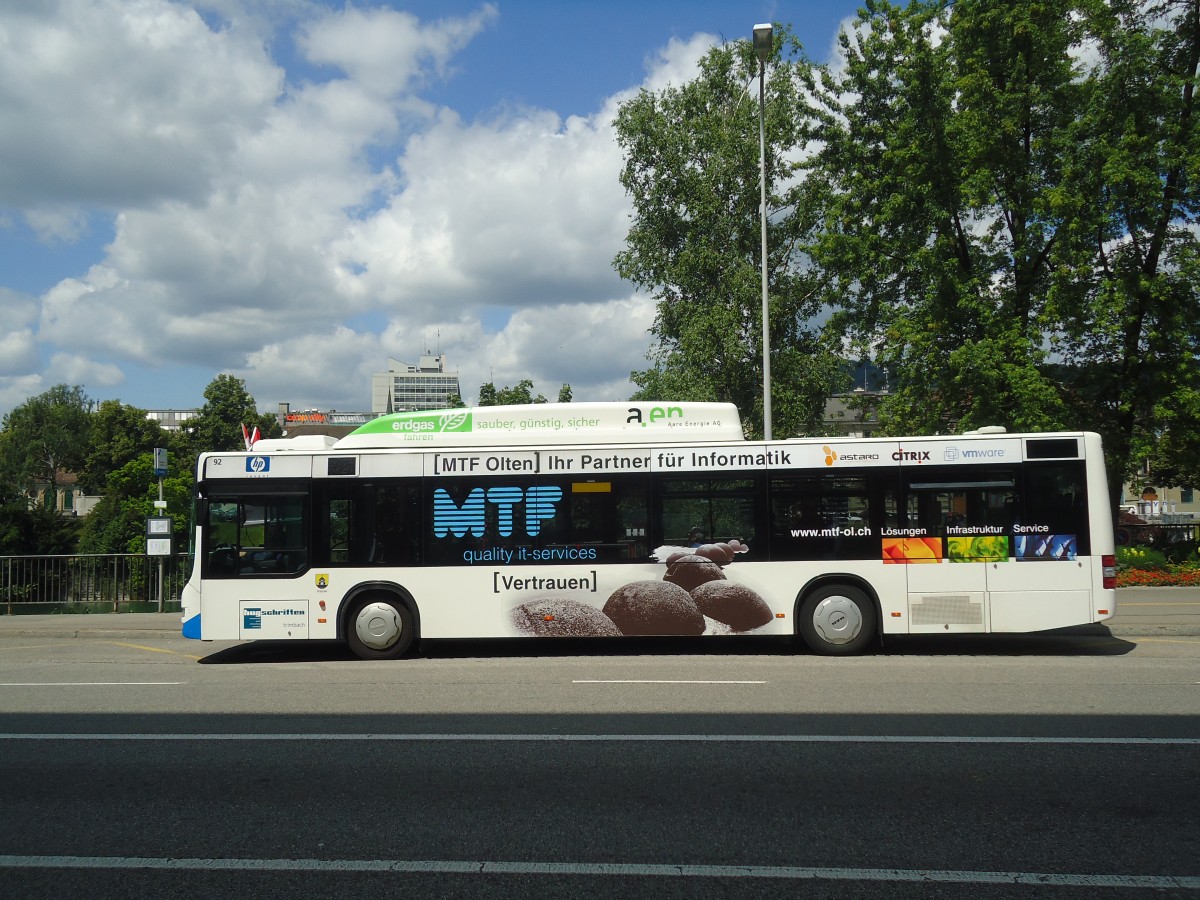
823 515
394 515
341 529
722 508
256 535
1056 499
221 538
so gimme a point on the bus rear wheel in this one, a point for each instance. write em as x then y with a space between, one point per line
379 627
837 620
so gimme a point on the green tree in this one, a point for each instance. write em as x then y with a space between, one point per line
45 437
36 531
119 465
117 435
521 393
1131 310
1175 459
117 524
564 394
227 407
40 440
941 161
1009 193
692 172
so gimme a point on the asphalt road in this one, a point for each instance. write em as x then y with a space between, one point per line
1053 765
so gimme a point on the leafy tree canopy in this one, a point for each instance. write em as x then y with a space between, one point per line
522 392
1011 197
45 436
692 172
996 202
227 407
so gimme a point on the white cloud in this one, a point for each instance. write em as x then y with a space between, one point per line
386 51
298 232
676 63
18 349
114 103
591 346
70 369
521 211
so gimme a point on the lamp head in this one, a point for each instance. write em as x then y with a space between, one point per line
762 41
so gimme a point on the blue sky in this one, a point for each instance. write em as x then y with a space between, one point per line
294 191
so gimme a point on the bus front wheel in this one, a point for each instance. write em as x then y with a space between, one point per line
379 628
837 620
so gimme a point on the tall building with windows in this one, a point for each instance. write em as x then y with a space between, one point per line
427 385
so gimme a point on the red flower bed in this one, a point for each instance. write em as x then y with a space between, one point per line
1147 578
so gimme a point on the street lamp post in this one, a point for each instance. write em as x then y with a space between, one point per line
762 49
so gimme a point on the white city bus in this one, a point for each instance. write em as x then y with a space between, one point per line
605 519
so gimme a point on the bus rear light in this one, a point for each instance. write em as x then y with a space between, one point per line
1102 612
1108 565
896 615
781 615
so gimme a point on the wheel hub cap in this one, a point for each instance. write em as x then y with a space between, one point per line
837 620
378 626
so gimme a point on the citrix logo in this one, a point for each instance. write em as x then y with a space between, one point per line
917 456
471 517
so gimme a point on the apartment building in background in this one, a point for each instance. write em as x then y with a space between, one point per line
426 385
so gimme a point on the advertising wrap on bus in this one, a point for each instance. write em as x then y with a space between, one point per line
537 532
551 423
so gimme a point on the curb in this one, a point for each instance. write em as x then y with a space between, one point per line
91 634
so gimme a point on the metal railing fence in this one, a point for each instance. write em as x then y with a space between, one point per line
112 582
1160 534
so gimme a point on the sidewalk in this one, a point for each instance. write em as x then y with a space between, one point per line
1141 612
109 626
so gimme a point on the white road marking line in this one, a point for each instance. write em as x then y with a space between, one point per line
655 681
612 738
496 867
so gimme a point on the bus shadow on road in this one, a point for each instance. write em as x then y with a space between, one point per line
1093 640
1086 640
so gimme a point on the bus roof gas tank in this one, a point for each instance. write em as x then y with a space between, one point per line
551 423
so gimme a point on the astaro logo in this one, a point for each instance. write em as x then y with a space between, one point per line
830 455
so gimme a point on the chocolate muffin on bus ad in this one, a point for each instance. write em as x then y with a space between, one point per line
736 605
654 607
560 617
692 570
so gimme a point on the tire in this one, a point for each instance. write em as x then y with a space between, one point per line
379 627
838 620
